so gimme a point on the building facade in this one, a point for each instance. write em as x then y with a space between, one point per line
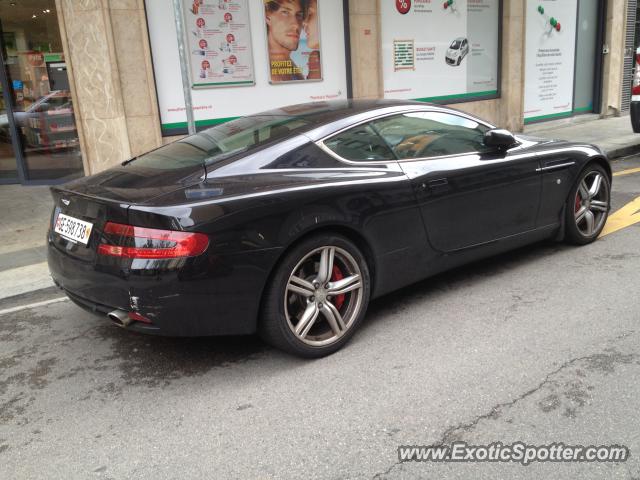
87 84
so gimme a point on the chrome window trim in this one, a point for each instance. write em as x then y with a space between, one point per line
320 143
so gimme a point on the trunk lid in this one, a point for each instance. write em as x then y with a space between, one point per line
108 195
131 183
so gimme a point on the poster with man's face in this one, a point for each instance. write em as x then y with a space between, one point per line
293 40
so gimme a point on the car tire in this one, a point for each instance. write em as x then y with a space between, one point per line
459 61
309 310
588 205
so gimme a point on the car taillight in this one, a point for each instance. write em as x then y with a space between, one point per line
635 87
127 241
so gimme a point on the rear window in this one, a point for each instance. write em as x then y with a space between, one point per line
222 141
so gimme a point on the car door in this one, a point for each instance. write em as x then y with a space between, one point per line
380 204
468 194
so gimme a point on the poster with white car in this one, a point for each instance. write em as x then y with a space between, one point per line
440 51
549 58
457 51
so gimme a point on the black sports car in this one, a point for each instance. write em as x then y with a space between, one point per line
288 222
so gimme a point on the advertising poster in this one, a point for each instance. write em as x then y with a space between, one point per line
212 106
218 42
549 58
403 55
440 51
293 40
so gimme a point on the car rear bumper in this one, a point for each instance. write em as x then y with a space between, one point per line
103 311
201 296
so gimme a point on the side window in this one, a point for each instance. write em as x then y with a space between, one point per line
360 143
431 134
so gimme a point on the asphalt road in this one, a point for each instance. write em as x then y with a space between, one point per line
541 345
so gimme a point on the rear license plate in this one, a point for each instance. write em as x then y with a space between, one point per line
73 229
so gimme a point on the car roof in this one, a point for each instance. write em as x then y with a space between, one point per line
324 118
321 113
321 118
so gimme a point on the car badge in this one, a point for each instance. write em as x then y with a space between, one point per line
65 201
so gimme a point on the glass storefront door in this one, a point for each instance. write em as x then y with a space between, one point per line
587 55
563 58
38 99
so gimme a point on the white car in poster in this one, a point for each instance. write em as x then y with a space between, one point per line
457 51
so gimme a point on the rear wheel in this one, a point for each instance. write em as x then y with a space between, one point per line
588 206
317 297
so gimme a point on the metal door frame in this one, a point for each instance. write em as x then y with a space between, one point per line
599 71
596 94
7 90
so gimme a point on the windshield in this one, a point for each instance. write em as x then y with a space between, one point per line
456 44
222 141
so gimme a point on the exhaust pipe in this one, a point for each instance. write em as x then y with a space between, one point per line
120 318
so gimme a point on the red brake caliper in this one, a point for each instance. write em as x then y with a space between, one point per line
578 202
336 275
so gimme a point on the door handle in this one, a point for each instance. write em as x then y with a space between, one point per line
440 182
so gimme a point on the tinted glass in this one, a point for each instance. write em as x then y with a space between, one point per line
586 55
431 134
39 96
222 141
360 143
455 45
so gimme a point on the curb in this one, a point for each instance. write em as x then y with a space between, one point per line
33 296
624 151
25 279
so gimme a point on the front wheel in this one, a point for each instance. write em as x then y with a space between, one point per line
588 206
317 297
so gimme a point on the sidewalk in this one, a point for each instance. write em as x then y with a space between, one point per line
23 227
26 210
614 135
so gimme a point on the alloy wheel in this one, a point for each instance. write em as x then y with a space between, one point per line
591 203
323 296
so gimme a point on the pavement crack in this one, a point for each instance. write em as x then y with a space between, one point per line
453 433
382 475
601 362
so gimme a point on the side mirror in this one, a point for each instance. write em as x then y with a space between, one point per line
499 138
